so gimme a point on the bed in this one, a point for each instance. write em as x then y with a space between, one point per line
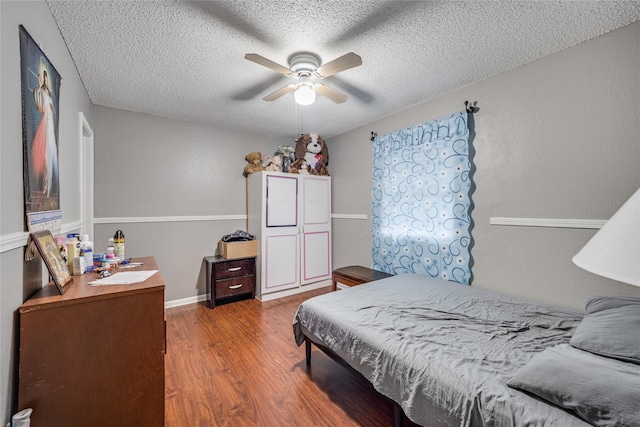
455 355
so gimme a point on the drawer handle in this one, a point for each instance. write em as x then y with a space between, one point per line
235 286
235 269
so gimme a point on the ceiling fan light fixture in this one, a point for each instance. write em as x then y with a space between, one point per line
305 95
305 66
304 62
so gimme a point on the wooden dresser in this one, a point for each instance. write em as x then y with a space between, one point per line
95 355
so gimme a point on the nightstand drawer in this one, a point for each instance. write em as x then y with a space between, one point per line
235 286
234 268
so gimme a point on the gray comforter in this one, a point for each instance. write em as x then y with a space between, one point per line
442 350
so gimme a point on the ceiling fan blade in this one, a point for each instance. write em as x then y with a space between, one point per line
258 59
345 62
332 94
277 94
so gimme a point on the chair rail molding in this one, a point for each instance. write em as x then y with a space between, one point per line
349 216
189 218
548 222
11 241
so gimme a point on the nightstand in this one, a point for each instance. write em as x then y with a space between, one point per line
229 279
354 275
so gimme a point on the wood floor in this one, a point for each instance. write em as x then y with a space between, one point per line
238 365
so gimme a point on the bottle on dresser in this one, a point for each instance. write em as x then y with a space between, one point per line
111 249
86 246
118 239
73 249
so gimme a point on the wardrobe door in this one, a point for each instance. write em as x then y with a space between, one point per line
280 262
315 255
282 201
281 240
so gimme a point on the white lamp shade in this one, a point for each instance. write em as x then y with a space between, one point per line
614 251
305 95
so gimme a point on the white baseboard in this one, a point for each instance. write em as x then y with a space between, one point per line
288 292
185 301
264 298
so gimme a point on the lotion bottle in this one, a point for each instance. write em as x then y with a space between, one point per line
87 246
111 250
73 249
118 239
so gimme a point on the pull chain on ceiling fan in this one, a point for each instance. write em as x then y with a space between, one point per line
305 67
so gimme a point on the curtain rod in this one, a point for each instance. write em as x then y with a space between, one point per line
469 106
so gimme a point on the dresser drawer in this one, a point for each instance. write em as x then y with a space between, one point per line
234 268
235 286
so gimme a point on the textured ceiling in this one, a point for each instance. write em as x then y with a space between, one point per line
185 60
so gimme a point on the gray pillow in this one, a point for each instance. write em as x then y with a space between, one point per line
599 390
610 328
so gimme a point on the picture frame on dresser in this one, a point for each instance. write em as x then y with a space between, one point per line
52 258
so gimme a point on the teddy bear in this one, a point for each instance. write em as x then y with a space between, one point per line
304 168
273 164
312 155
255 163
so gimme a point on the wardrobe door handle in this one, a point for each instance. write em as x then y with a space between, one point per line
234 269
235 286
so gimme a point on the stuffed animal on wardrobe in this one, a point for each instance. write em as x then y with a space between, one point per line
273 164
255 163
312 155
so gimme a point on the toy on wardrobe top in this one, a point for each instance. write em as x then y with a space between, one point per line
312 155
273 164
255 163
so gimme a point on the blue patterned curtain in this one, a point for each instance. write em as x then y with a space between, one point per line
420 200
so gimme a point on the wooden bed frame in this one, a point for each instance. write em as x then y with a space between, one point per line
398 414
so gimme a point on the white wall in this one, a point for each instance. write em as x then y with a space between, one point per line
557 138
149 168
19 279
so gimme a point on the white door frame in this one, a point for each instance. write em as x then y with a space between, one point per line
86 203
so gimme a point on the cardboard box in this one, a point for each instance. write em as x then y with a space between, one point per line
233 250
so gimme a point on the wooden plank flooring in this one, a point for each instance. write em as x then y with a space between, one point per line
238 365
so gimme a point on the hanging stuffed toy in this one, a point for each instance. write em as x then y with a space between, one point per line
312 155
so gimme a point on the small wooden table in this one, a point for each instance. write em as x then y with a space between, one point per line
354 275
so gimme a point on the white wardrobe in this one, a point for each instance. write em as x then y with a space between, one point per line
290 215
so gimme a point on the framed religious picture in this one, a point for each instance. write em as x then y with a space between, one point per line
40 90
52 258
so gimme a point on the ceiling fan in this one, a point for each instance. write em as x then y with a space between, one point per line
305 67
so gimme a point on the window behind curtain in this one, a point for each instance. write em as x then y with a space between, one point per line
420 200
